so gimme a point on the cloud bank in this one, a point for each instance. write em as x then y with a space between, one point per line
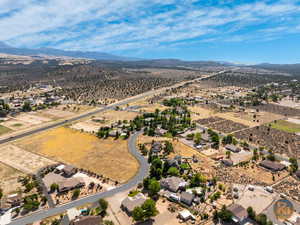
136 25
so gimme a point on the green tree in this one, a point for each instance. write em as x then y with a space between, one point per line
1 193
228 154
29 187
173 171
168 147
26 107
251 213
197 138
76 193
103 205
255 155
54 187
225 214
138 214
149 208
294 165
197 179
153 187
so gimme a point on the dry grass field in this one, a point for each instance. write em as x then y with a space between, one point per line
107 157
198 112
111 116
236 117
9 176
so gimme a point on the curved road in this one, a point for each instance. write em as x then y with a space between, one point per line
142 173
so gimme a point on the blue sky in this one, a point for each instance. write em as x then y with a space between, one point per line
228 30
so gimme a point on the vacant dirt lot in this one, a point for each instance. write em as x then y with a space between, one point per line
257 118
86 126
22 160
200 113
107 157
113 116
9 176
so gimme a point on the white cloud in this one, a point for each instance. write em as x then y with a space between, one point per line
133 24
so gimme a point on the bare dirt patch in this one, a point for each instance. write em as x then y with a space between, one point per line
114 116
198 112
9 178
107 157
23 160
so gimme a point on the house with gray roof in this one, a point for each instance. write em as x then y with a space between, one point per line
129 203
173 183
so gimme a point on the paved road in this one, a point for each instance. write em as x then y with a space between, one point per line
143 172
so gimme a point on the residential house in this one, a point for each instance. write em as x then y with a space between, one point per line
227 162
297 174
187 198
239 213
156 147
69 184
69 170
175 162
160 131
273 166
185 215
173 183
129 203
10 201
232 148
205 137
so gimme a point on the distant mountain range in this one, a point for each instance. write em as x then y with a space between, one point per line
114 60
4 48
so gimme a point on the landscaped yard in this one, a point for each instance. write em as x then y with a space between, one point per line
4 130
286 126
108 157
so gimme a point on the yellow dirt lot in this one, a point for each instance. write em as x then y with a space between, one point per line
107 157
9 176
114 116
262 117
200 113
235 117
153 107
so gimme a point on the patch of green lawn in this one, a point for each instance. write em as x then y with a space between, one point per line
4 130
17 125
286 126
